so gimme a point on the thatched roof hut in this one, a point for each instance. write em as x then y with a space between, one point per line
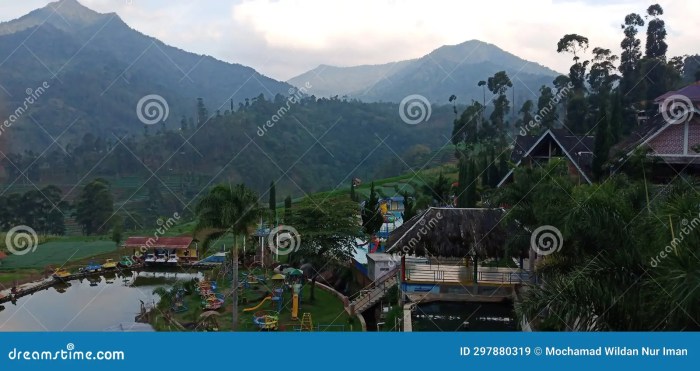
451 232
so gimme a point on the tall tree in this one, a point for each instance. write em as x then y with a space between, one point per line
577 108
546 110
272 203
328 229
228 209
353 195
462 182
526 116
631 54
498 84
472 192
372 218
438 189
603 140
409 206
94 207
466 127
656 46
202 113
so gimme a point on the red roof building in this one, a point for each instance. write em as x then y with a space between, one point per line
159 242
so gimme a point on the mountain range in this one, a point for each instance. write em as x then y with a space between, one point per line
98 68
448 70
92 70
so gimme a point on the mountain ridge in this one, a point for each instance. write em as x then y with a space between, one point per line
99 68
469 61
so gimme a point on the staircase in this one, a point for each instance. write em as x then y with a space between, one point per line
373 293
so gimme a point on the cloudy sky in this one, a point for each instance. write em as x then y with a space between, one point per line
283 38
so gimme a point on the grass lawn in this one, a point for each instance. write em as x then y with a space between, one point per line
325 310
505 262
58 252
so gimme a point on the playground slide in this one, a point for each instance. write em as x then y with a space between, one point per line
376 246
257 306
295 307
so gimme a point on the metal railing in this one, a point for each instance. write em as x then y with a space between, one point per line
463 274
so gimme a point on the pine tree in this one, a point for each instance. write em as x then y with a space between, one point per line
372 218
273 200
353 196
471 194
287 207
602 140
462 183
616 119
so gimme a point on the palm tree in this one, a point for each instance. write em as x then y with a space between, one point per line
232 210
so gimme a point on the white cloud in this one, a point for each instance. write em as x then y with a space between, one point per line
282 38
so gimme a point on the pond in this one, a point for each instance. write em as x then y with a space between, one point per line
88 304
461 316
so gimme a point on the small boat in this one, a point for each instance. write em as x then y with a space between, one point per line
91 267
125 262
150 258
161 258
109 264
60 274
172 259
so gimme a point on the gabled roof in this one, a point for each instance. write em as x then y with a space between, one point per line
450 232
692 92
640 135
159 242
577 148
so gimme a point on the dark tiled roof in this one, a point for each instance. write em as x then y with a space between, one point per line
579 147
522 144
639 135
691 91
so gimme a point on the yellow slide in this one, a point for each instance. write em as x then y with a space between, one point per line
295 307
257 306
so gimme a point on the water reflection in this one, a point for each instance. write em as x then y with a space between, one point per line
88 304
450 316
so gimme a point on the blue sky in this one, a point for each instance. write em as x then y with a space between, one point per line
283 38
